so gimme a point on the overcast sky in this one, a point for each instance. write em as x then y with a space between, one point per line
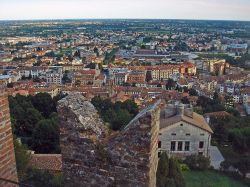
165 9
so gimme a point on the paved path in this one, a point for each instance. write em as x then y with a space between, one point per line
215 157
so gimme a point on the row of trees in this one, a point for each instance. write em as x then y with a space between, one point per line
232 134
110 57
35 121
169 173
210 105
116 114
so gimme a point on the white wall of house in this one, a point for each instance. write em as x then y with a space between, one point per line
184 132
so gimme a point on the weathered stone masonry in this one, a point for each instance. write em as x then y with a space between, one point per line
7 155
93 157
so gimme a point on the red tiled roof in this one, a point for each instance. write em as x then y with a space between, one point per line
91 71
220 113
50 162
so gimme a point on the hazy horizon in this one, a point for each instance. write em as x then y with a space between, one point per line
82 19
229 10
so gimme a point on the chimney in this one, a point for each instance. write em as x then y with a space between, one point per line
189 111
207 118
181 109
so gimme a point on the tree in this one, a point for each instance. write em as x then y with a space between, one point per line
185 100
210 105
244 166
66 78
216 98
193 92
44 104
96 51
197 162
91 66
181 46
233 111
33 116
84 59
77 53
122 118
175 173
170 84
240 138
168 173
185 89
131 106
45 138
148 76
162 171
78 83
117 115
22 159
41 178
10 85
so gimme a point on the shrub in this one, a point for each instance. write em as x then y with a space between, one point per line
197 162
184 167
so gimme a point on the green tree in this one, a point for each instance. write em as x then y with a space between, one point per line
22 159
243 165
233 111
41 178
44 104
45 138
197 162
170 84
122 118
175 173
33 116
162 171
96 51
193 92
185 100
131 106
240 139
148 76
168 173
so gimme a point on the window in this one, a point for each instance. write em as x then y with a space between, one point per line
187 146
202 134
200 153
188 134
179 146
159 144
201 145
181 124
173 146
173 134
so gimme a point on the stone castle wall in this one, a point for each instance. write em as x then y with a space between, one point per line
93 157
7 154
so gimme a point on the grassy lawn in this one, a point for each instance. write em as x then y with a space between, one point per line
209 179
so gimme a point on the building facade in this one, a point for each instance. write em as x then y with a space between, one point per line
184 132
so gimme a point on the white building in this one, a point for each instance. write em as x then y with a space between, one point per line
120 78
184 132
236 98
246 98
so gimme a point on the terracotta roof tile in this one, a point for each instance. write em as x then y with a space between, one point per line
50 162
197 120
